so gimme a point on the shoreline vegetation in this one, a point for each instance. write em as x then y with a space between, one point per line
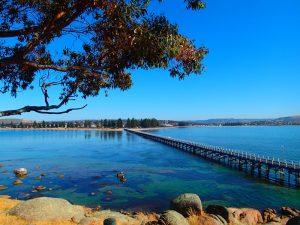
185 209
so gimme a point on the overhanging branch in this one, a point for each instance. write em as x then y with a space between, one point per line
37 109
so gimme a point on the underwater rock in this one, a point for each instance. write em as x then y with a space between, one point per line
109 192
40 188
61 176
38 178
120 175
18 182
2 187
21 172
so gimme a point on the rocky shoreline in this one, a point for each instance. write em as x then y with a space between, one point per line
185 209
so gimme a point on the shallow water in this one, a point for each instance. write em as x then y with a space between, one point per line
155 173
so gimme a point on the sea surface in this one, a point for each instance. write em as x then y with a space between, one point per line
155 173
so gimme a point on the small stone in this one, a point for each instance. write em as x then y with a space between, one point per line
109 192
40 188
61 176
50 189
2 187
33 191
1 166
120 175
43 174
92 194
123 180
4 171
18 182
38 178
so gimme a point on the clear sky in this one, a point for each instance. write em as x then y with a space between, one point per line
253 68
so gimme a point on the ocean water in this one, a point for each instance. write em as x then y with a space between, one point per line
155 173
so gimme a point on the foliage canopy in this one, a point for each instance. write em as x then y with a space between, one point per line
112 37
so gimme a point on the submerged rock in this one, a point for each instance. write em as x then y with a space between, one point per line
21 172
172 217
45 208
187 204
40 188
38 178
120 175
109 192
2 187
18 182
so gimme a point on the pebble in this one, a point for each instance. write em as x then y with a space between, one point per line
120 175
40 188
50 189
38 178
18 182
123 180
61 176
109 192
1 166
92 193
4 171
43 174
2 187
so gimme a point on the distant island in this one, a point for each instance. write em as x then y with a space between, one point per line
143 123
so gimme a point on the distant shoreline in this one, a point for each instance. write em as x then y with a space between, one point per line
142 129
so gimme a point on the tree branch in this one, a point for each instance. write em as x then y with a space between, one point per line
16 33
62 112
37 109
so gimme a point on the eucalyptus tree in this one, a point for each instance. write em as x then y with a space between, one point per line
112 37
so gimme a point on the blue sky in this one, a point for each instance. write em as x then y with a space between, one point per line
253 68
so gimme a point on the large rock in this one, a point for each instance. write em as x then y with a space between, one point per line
218 210
187 204
89 221
289 212
246 216
269 215
172 217
120 218
294 221
207 219
45 208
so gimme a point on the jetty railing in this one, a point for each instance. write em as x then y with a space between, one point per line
283 172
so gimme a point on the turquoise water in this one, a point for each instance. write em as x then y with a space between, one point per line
155 173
